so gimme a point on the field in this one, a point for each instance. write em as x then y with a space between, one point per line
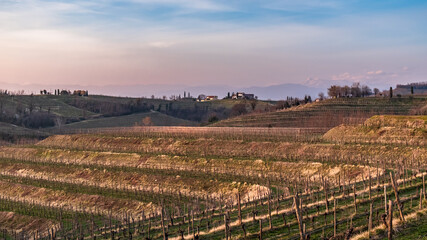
215 182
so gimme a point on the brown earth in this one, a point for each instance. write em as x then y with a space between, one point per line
20 223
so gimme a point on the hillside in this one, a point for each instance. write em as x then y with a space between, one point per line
40 111
138 119
13 133
330 113
36 116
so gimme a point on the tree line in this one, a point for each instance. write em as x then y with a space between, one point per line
355 90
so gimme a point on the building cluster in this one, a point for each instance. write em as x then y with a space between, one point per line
237 95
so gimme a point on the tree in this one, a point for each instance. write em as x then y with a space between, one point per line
412 90
355 90
239 109
366 91
147 121
321 96
253 104
334 91
213 119
345 91
391 92
376 91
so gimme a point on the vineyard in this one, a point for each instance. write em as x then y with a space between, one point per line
331 112
351 182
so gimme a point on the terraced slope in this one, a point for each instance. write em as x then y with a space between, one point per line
329 113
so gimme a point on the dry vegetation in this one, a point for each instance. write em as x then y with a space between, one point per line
403 130
17 223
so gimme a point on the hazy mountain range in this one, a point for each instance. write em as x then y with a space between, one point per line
273 92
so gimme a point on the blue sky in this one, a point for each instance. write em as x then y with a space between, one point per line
213 42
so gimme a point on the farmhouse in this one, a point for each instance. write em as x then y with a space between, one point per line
210 98
203 98
80 92
242 95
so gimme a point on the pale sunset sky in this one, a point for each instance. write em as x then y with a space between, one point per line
213 42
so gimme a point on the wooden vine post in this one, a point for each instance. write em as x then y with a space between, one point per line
354 198
370 188
299 217
390 220
424 187
396 193
240 208
385 199
370 220
335 217
326 195
269 207
163 223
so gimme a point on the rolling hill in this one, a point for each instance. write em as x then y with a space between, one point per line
330 113
151 118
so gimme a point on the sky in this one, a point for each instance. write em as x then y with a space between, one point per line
238 43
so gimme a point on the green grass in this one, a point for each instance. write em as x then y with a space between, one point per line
157 119
53 104
415 229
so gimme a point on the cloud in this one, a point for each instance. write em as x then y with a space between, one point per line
363 77
205 5
291 5
377 72
161 44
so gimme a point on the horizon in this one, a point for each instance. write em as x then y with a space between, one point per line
217 43
271 92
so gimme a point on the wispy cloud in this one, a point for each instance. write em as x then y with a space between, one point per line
161 44
205 5
290 5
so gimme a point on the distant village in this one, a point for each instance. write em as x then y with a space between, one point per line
186 95
206 98
335 91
